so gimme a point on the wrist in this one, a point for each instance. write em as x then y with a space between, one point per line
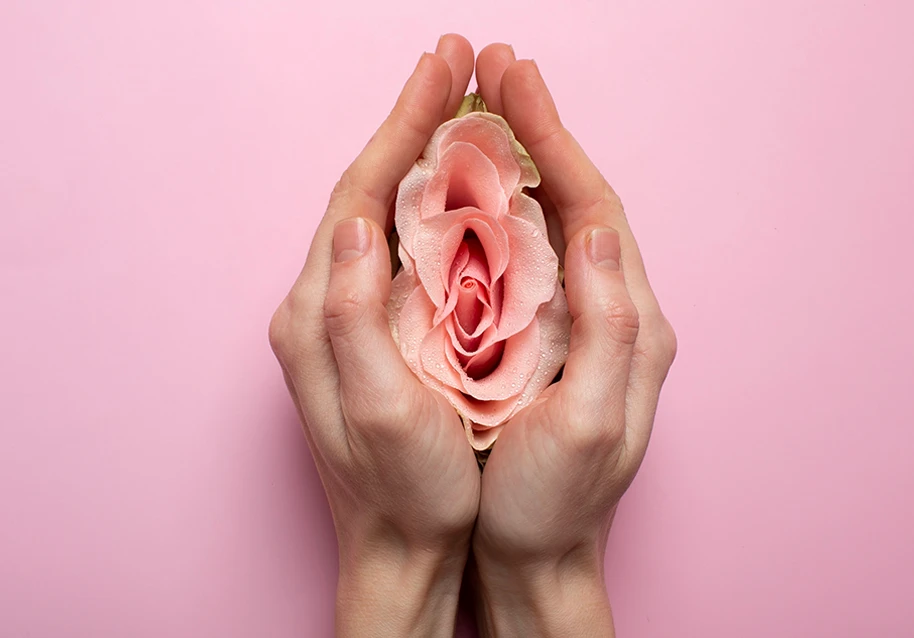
388 590
549 598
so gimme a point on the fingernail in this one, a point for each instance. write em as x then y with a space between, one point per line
438 46
603 248
513 54
350 239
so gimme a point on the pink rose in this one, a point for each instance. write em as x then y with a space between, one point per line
477 308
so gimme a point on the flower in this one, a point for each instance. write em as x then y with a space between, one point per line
477 309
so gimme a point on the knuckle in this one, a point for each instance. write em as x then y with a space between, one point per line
587 429
354 188
622 320
279 329
342 187
603 199
343 310
658 346
292 328
669 342
612 199
594 434
380 417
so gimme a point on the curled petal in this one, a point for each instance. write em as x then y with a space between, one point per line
495 138
465 177
409 199
401 288
530 278
555 330
438 240
517 366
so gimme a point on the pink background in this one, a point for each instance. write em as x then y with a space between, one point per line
163 165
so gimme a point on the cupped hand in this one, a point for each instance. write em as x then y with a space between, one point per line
558 469
402 483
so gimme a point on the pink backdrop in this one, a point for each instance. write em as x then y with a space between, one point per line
163 165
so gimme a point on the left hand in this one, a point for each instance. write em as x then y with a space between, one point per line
401 480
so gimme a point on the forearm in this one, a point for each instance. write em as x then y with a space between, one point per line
542 602
408 595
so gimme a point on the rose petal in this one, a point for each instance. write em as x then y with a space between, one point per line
489 331
469 261
464 178
477 265
401 288
469 306
482 438
530 278
483 363
478 129
554 334
525 207
438 240
409 200
416 324
461 259
469 345
508 154
480 412
486 314
518 365
435 362
492 140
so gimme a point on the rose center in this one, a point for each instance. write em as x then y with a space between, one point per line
469 307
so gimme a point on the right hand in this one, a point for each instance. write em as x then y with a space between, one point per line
559 468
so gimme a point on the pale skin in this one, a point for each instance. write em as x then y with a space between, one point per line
408 501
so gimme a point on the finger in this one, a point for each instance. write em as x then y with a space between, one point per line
583 197
373 376
572 181
603 334
367 187
490 66
553 223
653 355
458 53
370 182
580 193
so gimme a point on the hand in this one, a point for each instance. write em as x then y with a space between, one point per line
552 482
402 482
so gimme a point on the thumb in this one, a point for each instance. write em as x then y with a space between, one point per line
373 375
604 329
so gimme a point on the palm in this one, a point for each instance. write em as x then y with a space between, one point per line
439 462
531 474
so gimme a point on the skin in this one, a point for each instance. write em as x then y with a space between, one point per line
408 502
